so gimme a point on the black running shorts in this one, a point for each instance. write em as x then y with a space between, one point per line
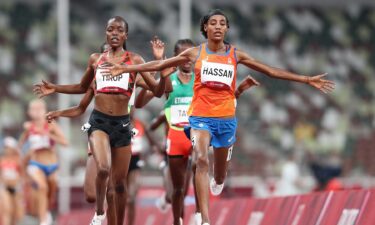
118 128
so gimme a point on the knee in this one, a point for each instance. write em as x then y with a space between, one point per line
103 172
178 191
202 163
120 187
42 187
90 199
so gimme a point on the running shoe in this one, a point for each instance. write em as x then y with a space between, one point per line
98 219
216 189
48 220
206 224
198 218
162 204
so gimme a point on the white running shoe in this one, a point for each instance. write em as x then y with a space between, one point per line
161 204
98 219
198 218
206 224
48 220
216 189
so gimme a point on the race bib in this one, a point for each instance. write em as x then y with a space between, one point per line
104 81
39 141
217 75
179 115
10 174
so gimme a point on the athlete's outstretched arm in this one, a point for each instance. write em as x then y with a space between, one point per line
155 123
315 81
73 111
188 55
46 88
148 81
143 97
245 84
57 135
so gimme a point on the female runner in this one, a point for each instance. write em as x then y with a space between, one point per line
212 111
10 183
179 148
109 130
42 158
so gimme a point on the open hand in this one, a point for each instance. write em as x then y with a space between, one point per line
157 48
250 81
112 69
247 83
43 89
323 85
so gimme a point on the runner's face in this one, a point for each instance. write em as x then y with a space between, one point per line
186 67
116 33
37 110
216 28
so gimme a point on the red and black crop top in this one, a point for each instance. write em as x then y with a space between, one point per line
121 84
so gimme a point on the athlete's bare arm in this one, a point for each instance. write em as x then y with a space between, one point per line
148 81
245 84
145 96
25 133
315 81
73 111
57 135
46 88
155 123
189 55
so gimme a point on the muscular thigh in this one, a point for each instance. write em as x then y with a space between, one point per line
120 162
200 140
100 146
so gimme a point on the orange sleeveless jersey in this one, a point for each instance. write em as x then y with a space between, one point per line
214 84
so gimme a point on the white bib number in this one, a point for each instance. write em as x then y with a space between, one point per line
179 114
217 74
103 81
9 174
38 141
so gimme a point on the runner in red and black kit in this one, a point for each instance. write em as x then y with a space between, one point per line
109 130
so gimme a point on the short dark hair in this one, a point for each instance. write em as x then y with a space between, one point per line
181 42
205 18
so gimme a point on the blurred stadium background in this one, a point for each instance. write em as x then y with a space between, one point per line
279 122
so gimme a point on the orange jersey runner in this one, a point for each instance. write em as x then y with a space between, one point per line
214 84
